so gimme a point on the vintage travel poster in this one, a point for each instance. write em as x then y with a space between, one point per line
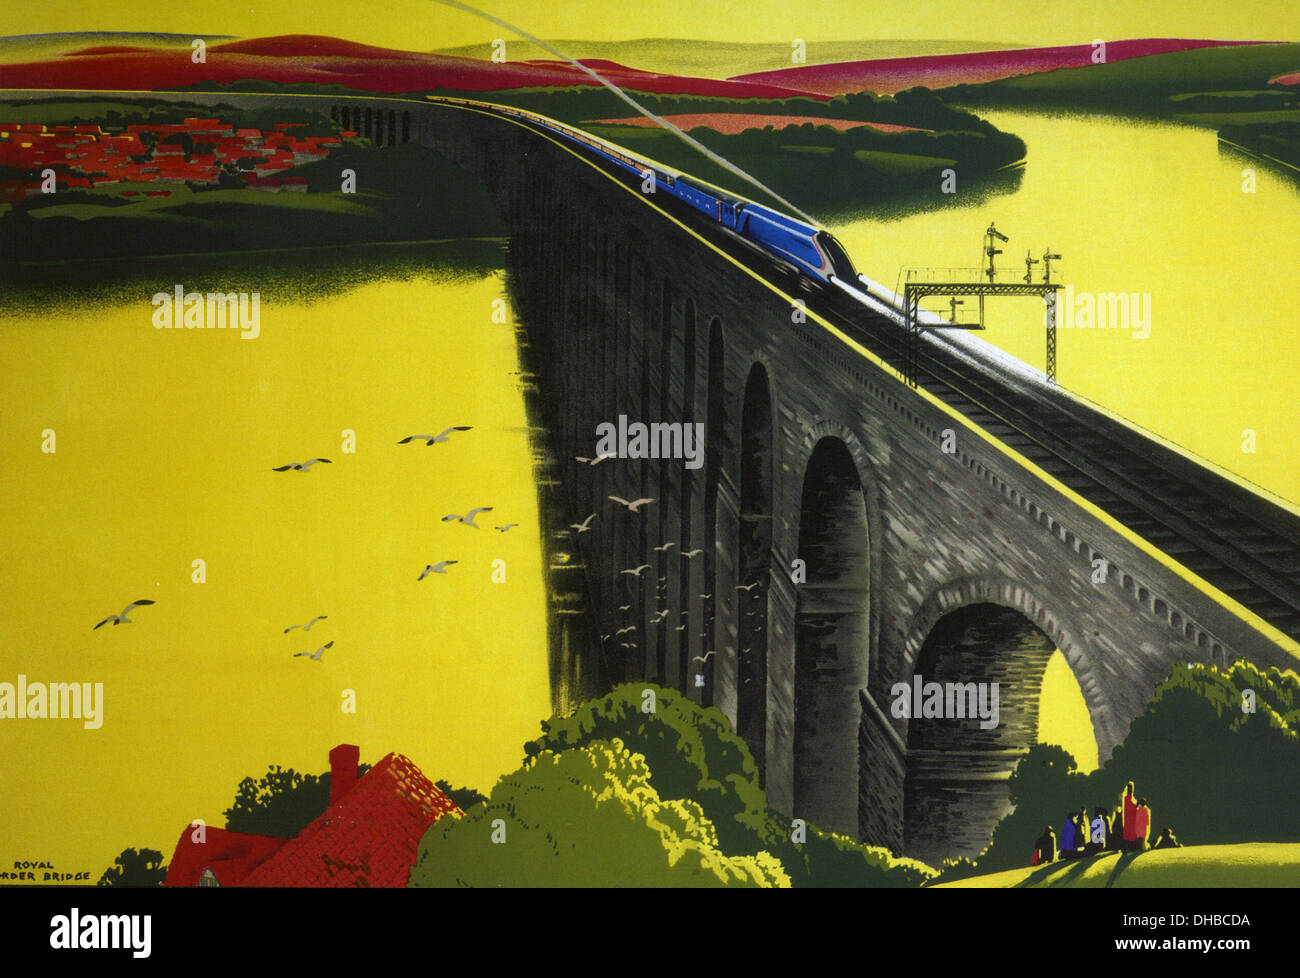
704 444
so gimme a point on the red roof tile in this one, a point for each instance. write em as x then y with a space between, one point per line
370 837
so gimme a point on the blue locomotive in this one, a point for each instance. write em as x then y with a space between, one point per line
810 252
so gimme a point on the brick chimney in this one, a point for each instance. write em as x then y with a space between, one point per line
344 760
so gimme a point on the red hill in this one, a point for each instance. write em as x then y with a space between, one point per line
330 61
890 75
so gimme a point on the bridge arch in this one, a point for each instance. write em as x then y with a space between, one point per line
832 635
979 630
757 473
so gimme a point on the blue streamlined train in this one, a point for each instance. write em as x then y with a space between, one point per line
808 251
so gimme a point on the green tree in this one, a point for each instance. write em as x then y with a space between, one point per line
693 754
465 798
1212 771
143 867
281 803
584 817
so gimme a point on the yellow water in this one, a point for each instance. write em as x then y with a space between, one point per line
1137 208
166 439
165 445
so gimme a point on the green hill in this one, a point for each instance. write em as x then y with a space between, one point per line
1259 864
723 59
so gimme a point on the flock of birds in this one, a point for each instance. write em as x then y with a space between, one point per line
626 635
440 567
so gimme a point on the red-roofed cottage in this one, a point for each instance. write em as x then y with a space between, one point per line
369 835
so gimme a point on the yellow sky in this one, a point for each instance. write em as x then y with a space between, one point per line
427 25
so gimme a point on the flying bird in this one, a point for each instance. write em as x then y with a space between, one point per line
634 506
122 619
301 466
705 657
584 526
635 571
592 461
306 627
693 553
659 616
431 440
508 526
468 518
624 631
314 655
665 547
625 607
439 568
748 587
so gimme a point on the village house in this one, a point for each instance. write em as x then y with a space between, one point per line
369 835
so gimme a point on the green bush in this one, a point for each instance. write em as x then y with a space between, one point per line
692 754
588 816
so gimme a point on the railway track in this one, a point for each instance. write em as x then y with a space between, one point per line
1241 544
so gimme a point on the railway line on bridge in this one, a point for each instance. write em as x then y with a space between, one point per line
1240 543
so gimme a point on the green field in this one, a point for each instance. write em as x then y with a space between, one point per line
1139 82
1261 864
723 59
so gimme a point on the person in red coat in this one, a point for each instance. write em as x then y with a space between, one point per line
1130 819
1143 824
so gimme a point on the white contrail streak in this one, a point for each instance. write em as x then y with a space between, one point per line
659 120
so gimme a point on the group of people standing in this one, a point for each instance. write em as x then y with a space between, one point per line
1126 831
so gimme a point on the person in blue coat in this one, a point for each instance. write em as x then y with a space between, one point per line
1068 837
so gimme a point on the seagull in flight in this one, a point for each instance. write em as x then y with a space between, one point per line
634 506
705 657
314 655
508 526
592 461
301 466
431 440
693 553
748 587
468 518
122 619
584 526
306 627
439 568
665 548
624 631
625 607
635 571
659 616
